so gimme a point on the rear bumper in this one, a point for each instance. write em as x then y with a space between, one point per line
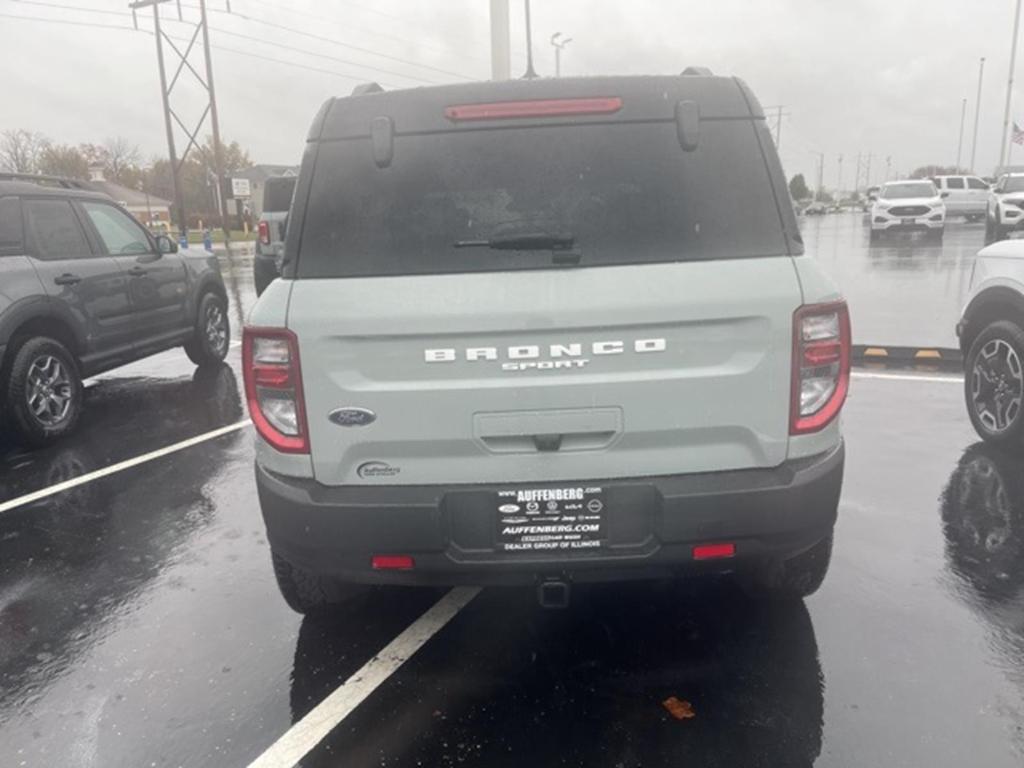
653 525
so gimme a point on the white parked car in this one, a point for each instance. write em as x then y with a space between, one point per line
991 332
911 205
965 196
1005 212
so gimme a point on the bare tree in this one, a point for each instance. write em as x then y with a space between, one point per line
21 150
120 155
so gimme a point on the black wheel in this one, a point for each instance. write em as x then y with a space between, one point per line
307 592
990 235
209 344
935 235
876 236
994 383
796 578
44 391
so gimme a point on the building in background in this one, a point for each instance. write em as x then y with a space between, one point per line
152 212
257 176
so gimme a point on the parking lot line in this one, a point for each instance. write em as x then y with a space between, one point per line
120 466
906 377
302 737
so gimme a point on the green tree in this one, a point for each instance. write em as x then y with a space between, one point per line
798 188
927 171
64 160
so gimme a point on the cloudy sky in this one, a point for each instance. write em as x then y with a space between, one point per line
879 77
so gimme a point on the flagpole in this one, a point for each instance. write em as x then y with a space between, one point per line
1009 87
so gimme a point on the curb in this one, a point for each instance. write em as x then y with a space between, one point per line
931 358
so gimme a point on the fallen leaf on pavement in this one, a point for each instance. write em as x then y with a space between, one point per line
679 709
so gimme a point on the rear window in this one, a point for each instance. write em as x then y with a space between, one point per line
277 194
908 189
625 192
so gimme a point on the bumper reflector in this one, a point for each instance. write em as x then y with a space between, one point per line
392 563
713 551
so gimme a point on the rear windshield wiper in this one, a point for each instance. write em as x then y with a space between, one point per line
537 241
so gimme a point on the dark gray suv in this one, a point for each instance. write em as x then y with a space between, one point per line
85 288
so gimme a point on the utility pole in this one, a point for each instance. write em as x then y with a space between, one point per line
530 73
821 176
558 45
218 153
977 111
888 166
778 129
867 172
960 141
171 117
1009 86
839 186
501 46
856 178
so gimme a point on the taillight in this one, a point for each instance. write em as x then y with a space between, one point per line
503 110
273 387
264 232
821 365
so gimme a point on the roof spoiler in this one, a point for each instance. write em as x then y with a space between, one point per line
697 72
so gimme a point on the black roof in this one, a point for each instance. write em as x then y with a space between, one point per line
44 190
649 97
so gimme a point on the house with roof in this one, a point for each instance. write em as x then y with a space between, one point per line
148 209
257 176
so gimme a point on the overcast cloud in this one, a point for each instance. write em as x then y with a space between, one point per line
884 77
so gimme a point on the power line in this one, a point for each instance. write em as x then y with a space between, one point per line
66 21
243 36
62 6
71 8
331 41
250 54
324 20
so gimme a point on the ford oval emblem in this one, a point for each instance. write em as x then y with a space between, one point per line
352 417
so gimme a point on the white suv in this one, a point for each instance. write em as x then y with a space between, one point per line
911 205
965 196
1005 211
991 332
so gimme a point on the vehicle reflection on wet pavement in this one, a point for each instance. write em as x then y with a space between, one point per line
906 290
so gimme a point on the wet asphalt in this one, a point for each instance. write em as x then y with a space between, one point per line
140 624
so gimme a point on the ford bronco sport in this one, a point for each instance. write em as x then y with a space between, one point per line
522 337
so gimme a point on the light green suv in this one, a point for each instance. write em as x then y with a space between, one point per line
546 331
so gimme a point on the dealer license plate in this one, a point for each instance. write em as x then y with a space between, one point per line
550 520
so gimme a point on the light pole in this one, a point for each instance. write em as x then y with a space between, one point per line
977 111
1009 86
530 73
558 45
960 141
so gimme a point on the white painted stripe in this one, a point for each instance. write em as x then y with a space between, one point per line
907 377
301 738
121 466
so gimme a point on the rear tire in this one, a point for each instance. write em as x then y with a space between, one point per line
307 592
875 237
43 391
795 578
209 343
994 384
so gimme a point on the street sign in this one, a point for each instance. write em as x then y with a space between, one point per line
240 188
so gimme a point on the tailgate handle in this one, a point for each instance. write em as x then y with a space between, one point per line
548 431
